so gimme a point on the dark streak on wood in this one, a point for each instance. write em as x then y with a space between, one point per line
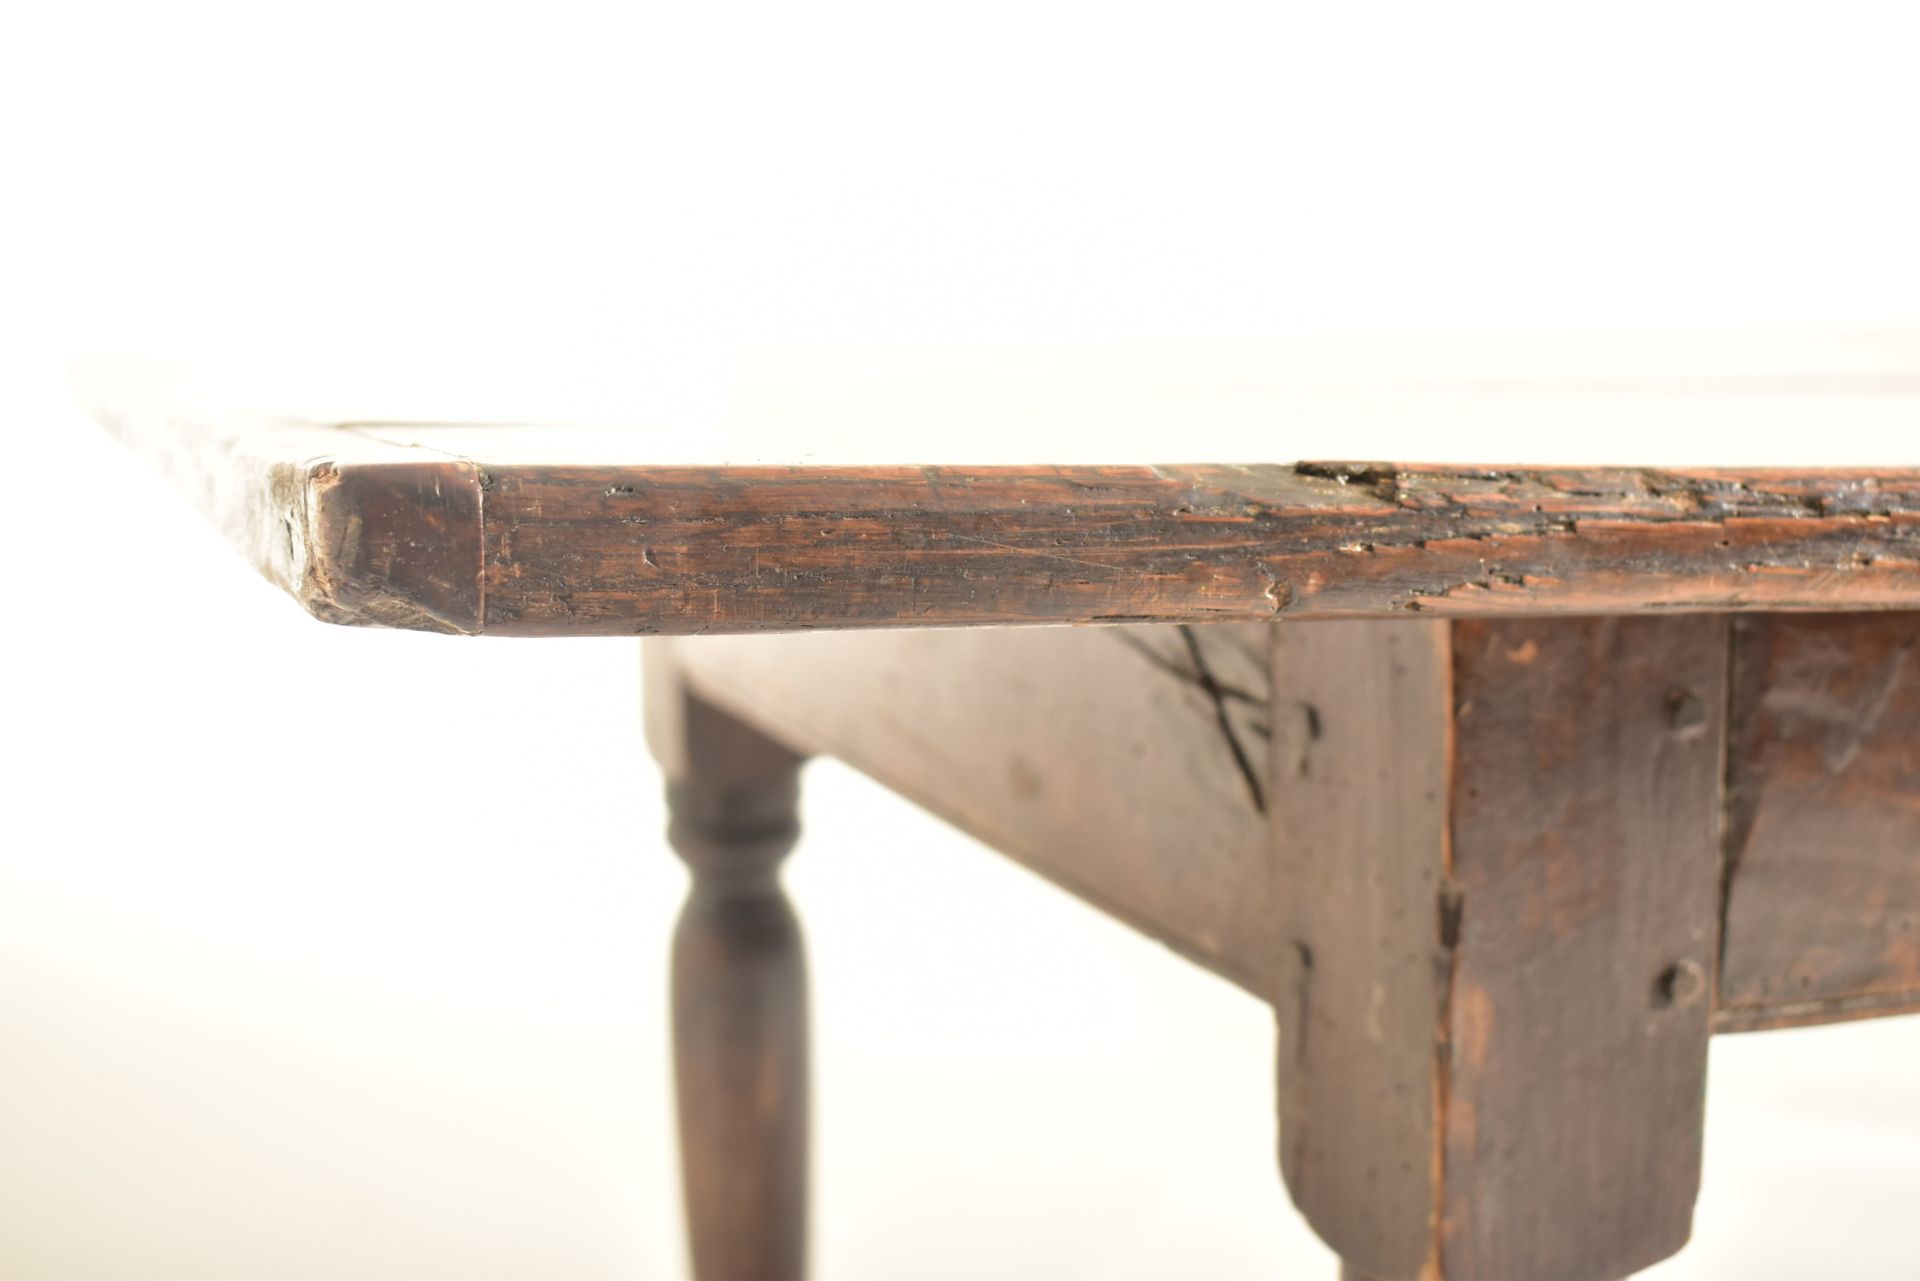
1223 716
1090 755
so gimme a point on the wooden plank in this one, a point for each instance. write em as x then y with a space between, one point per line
500 539
1823 846
1498 847
1587 803
1361 750
624 549
1125 764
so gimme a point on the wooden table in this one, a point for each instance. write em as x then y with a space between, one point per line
1505 786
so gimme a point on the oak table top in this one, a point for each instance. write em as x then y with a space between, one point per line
839 490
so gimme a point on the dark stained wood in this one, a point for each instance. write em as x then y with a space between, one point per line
1500 861
1126 764
622 549
1541 757
739 992
1362 729
392 545
1823 842
617 546
1499 842
1586 832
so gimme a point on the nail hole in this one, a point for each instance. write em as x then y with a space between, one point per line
1686 710
1679 985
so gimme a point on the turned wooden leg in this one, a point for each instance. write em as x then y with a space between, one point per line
1499 847
739 1000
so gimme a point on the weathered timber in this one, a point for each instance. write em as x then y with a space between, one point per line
981 725
1823 843
1126 764
739 990
362 528
1360 756
1498 855
1498 847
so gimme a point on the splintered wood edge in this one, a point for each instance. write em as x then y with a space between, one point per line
364 531
357 530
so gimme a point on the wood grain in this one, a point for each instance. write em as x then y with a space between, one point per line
1361 752
1126 764
481 543
1823 843
1490 913
1586 858
1498 843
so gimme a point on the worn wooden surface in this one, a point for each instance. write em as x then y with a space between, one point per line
1113 762
739 991
1362 736
1490 911
1586 829
1499 847
1500 874
1823 842
1126 764
498 530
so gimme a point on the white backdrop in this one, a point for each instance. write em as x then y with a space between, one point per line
291 986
